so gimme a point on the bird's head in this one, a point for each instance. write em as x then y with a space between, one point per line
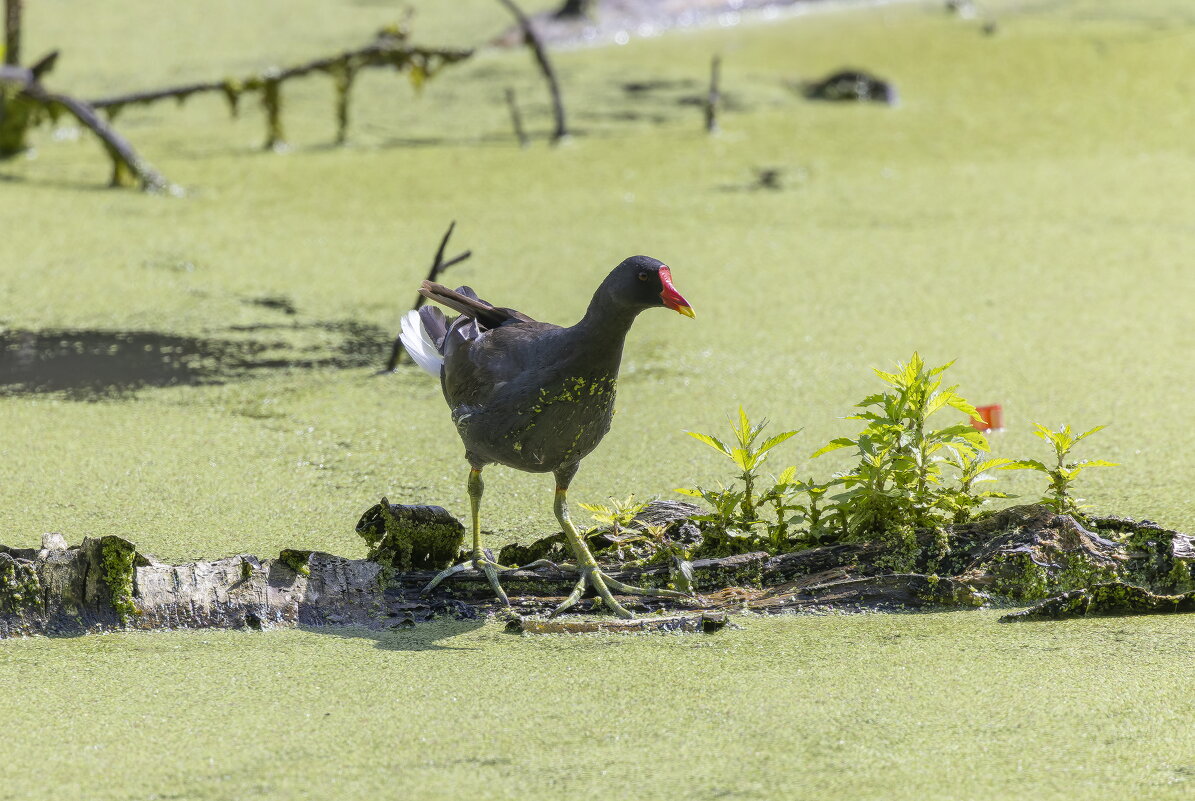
644 282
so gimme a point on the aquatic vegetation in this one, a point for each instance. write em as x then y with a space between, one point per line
1062 473
736 511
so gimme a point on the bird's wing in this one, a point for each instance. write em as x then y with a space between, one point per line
465 301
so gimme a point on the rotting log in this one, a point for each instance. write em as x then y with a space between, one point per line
1109 599
105 584
702 622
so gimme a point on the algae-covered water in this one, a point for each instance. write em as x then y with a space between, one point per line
932 706
1026 210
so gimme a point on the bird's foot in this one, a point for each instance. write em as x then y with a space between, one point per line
483 561
603 583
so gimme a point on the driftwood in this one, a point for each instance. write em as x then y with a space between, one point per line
536 45
1024 553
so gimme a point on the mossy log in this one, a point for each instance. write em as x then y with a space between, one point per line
105 584
1112 598
702 622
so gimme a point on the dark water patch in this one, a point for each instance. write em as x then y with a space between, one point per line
275 302
97 364
656 85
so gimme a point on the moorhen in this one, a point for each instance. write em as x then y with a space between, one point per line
535 396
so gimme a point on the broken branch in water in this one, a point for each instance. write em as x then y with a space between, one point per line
389 49
532 40
516 118
25 102
714 96
439 265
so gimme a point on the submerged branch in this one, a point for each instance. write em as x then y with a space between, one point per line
390 49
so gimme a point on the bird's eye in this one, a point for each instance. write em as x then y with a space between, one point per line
643 275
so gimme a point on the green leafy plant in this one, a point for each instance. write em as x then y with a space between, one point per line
972 469
617 517
1062 473
897 486
812 513
734 520
725 531
745 455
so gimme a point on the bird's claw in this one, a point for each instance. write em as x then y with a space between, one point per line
483 561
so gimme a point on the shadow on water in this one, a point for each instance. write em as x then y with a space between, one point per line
418 637
97 364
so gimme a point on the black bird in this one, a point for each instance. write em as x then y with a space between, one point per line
535 396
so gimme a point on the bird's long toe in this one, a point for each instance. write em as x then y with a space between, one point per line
483 562
604 585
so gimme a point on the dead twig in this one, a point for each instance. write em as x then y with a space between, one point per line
714 97
439 265
532 40
516 118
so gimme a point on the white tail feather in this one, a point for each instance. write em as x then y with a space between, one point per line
419 344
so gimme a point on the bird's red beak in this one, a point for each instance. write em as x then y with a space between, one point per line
673 299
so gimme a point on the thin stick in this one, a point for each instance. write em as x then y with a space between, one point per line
715 96
438 266
531 38
516 118
12 31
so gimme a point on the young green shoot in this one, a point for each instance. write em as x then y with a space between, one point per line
1062 473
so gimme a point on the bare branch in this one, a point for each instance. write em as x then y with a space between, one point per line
531 38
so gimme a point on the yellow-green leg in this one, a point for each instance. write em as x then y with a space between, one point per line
480 559
591 574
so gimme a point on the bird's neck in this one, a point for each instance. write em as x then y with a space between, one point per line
603 329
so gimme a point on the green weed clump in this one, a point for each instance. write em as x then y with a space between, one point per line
898 486
644 544
734 520
912 476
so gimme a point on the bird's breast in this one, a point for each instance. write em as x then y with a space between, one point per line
550 427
